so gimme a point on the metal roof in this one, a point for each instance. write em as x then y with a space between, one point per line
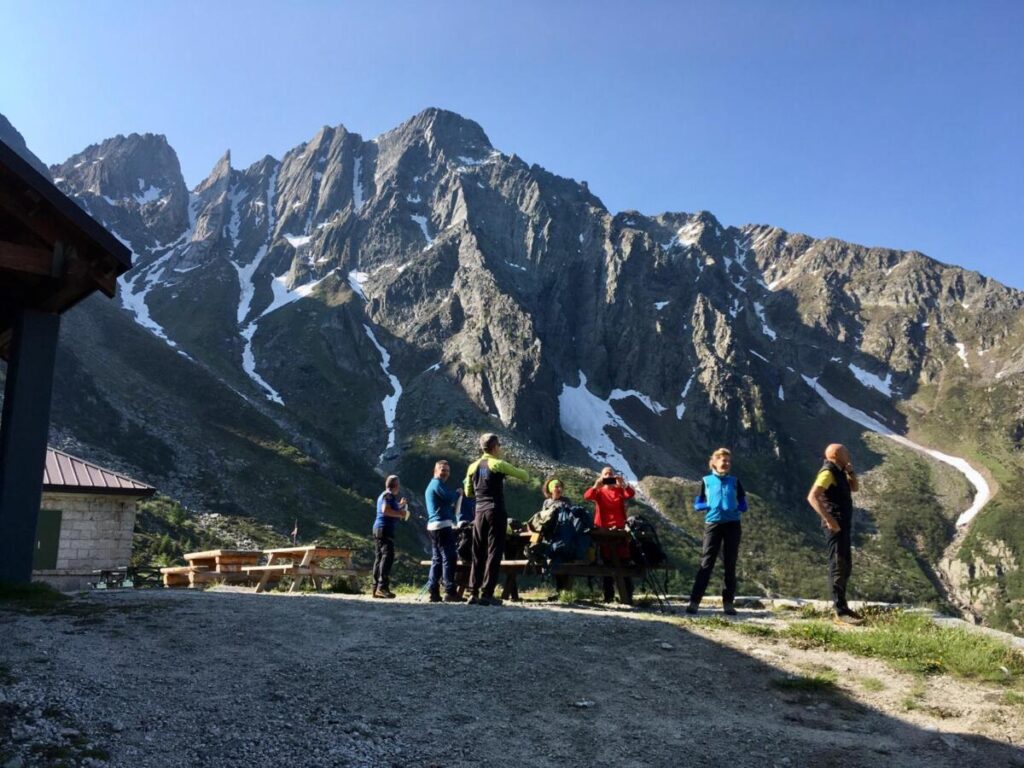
64 472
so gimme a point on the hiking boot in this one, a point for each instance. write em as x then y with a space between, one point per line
692 608
453 597
379 594
490 601
434 597
849 616
728 609
388 594
474 600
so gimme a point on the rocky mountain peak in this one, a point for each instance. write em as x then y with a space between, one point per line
131 181
10 136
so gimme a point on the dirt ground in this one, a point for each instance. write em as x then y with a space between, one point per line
230 678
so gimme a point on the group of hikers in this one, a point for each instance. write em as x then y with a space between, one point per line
481 501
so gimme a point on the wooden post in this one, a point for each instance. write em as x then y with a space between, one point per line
23 436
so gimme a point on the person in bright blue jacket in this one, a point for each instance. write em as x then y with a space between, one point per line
441 531
722 499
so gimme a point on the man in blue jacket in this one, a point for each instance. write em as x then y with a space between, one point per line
722 499
391 507
441 530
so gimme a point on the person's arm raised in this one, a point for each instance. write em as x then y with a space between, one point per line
851 478
499 465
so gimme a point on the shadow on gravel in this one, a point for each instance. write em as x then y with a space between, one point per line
234 678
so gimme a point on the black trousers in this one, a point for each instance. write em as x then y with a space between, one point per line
724 536
384 559
840 561
489 528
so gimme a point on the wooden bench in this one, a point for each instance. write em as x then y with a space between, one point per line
183 575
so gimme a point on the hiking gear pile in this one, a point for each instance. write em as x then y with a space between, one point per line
561 534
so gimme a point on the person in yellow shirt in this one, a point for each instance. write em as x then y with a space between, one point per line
831 497
485 482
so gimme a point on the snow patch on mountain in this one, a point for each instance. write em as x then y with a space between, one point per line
249 364
652 405
961 352
681 408
689 234
759 311
390 402
283 295
586 417
150 195
982 491
422 222
356 280
869 379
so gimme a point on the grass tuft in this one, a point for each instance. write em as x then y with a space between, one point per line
755 630
36 596
813 682
872 684
914 643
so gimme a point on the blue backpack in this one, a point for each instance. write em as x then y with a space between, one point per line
570 540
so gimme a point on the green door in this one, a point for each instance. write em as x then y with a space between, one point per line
47 540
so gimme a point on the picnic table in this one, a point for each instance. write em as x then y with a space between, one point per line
212 565
301 563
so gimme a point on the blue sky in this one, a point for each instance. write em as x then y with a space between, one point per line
897 124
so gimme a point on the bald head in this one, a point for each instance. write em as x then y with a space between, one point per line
837 454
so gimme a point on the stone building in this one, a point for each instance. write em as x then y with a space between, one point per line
86 521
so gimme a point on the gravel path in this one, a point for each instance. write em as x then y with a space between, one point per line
229 678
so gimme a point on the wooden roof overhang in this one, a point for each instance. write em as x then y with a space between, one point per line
52 253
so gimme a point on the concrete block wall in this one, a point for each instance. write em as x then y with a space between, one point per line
95 531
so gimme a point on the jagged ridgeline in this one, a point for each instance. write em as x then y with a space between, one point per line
296 326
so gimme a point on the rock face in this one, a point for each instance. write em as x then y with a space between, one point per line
131 183
359 293
10 136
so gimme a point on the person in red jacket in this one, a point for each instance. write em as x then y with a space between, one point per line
609 494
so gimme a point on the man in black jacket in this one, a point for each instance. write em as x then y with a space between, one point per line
485 482
831 497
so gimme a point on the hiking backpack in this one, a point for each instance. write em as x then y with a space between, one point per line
464 542
570 539
644 547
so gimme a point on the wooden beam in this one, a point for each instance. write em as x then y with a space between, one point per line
15 257
30 213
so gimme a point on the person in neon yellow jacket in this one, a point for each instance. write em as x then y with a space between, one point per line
485 482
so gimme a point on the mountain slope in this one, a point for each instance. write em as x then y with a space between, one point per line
362 295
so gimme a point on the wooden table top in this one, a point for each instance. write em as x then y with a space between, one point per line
212 554
318 550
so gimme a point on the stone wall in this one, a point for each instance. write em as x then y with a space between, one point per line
95 532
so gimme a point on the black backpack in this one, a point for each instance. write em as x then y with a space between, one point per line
644 547
464 542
